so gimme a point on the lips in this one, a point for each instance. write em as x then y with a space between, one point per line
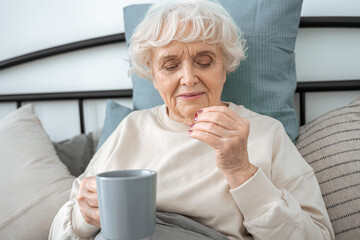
191 96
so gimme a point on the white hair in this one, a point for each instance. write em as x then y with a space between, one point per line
206 20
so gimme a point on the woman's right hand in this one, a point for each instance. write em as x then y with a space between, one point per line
88 201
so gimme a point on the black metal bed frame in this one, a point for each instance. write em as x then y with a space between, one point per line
302 87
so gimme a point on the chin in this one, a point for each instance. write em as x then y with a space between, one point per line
190 111
187 114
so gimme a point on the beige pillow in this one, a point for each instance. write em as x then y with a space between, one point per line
331 145
34 183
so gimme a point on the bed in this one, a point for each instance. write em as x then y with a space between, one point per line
329 143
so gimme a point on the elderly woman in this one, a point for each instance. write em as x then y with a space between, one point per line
218 163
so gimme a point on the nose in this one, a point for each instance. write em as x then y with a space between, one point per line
188 76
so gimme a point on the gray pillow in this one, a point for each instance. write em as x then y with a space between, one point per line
76 152
266 80
331 145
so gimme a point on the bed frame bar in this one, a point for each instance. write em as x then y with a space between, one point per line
302 89
305 22
78 96
322 86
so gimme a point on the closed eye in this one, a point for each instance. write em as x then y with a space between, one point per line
203 60
170 68
170 64
204 64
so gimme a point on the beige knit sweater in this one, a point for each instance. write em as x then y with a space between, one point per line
281 201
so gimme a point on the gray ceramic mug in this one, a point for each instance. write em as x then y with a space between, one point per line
127 201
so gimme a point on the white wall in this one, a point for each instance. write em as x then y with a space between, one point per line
27 26
103 67
30 25
327 54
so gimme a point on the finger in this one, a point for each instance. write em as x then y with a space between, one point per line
91 215
87 192
221 109
217 118
214 128
206 137
92 199
95 216
91 184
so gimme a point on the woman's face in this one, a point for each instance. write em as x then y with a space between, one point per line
188 76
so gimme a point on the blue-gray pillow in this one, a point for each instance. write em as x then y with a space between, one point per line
114 114
144 94
265 82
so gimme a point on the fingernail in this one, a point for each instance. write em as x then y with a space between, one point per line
192 125
196 118
190 131
198 112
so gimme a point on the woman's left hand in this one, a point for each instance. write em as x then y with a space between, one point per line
227 133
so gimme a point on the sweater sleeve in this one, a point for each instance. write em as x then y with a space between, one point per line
69 222
279 207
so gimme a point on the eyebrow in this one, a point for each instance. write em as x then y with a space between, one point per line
206 52
170 56
201 53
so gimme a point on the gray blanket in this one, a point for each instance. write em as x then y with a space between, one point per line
171 226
